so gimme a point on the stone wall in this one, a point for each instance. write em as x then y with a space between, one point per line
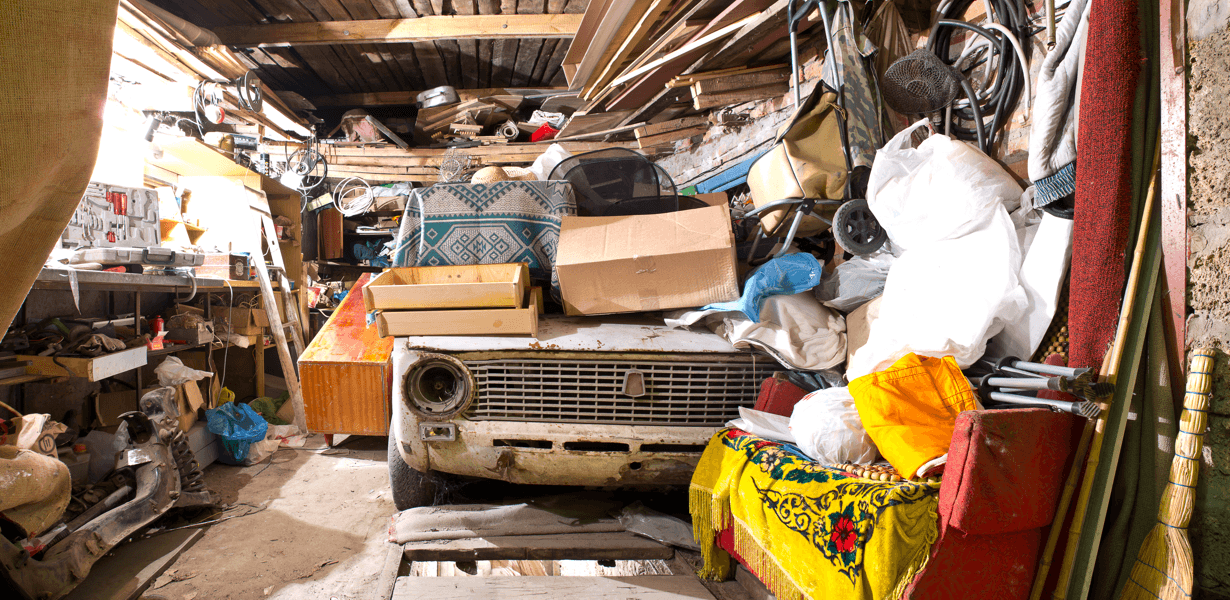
1208 295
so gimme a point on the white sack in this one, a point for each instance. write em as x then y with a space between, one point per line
547 161
947 298
763 424
794 329
827 428
1042 274
941 190
173 372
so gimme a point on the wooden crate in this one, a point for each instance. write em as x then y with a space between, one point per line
346 372
465 286
493 321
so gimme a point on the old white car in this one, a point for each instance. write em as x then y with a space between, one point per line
592 401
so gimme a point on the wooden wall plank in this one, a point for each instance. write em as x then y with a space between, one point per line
530 48
290 9
486 47
406 58
431 63
467 49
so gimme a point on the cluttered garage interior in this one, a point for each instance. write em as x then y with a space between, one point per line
615 299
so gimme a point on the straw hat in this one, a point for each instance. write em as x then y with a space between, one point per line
494 174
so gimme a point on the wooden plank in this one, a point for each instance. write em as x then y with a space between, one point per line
496 321
580 124
92 369
650 587
432 64
633 33
473 27
408 97
706 101
467 49
129 569
369 150
645 88
740 82
659 128
572 546
689 48
614 14
585 31
650 141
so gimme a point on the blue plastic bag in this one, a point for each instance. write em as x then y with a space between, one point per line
239 426
790 274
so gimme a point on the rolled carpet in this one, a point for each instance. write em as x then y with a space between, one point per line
1103 179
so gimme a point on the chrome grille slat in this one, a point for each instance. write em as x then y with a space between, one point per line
591 391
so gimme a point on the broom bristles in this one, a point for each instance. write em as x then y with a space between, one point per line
1163 568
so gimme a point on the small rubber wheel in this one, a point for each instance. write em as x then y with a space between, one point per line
411 488
857 229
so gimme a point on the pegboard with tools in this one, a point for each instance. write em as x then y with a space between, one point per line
113 216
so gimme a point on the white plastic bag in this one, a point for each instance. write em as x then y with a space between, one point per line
173 372
762 424
547 161
941 190
827 428
947 298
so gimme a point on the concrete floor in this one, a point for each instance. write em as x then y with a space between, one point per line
322 532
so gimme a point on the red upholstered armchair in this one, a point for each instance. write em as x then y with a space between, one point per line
998 495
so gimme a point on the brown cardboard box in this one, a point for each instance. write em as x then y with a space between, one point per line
190 400
647 262
245 321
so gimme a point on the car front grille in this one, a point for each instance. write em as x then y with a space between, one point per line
592 391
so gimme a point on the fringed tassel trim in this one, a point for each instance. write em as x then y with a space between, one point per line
921 558
764 564
716 562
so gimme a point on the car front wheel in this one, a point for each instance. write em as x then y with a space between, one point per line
411 488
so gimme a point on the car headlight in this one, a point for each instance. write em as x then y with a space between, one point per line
438 386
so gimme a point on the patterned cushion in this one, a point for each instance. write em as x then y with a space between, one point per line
472 224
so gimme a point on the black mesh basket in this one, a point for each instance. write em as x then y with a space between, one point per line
618 181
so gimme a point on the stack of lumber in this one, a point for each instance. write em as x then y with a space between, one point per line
468 119
639 58
726 87
668 132
385 163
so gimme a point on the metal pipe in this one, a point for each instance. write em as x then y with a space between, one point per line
1049 369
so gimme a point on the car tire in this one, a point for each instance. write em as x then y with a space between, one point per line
411 488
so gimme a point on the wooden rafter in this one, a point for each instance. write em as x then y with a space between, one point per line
433 28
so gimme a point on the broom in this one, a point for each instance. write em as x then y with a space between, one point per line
1163 566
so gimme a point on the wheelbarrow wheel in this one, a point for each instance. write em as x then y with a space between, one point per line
857 229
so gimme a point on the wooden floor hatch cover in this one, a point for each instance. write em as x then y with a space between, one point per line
651 587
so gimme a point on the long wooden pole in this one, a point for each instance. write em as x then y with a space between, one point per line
1099 428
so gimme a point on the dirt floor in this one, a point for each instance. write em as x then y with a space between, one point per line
320 533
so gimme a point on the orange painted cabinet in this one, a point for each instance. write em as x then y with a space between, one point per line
346 372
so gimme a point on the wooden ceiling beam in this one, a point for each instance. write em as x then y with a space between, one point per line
422 29
403 98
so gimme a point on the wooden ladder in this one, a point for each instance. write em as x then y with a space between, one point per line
280 329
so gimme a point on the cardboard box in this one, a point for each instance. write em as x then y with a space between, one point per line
244 321
647 262
465 286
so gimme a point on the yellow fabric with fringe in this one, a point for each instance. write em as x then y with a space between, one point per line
806 529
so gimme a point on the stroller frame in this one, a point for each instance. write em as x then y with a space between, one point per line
796 10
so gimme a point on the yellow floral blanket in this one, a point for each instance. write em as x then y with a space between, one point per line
806 529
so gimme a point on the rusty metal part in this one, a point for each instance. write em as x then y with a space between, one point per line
158 471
